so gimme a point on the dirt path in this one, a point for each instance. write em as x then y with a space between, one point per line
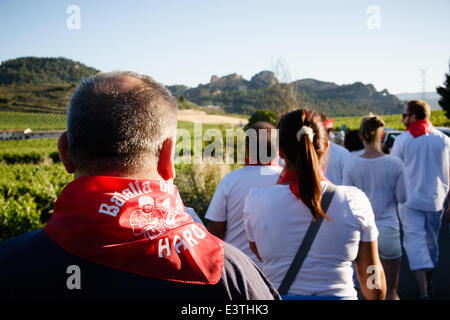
201 116
441 276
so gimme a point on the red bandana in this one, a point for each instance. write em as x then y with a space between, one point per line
137 226
328 124
420 127
289 176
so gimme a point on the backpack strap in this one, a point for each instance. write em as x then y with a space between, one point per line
307 242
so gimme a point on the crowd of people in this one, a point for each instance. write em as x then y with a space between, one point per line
321 226
362 225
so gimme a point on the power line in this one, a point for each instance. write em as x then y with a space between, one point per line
423 78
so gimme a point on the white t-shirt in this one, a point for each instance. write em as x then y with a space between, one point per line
357 153
227 203
383 181
277 222
426 159
337 156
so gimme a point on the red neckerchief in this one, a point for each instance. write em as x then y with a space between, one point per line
328 124
290 176
137 226
420 127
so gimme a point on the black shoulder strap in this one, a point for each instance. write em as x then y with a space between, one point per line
307 242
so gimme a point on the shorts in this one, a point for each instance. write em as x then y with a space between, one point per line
421 234
389 243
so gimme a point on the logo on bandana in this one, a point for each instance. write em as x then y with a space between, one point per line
154 219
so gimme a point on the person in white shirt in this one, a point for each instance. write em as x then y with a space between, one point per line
336 160
276 219
226 207
337 156
382 178
425 152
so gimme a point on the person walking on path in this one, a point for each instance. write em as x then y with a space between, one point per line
382 178
425 152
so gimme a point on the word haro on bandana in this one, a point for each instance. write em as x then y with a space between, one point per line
136 226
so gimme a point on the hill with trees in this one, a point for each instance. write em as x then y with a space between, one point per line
263 91
32 70
32 84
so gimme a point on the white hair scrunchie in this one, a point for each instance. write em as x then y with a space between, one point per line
305 130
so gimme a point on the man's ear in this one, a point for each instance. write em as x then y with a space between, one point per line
63 149
166 162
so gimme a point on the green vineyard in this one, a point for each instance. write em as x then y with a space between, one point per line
27 195
438 119
10 120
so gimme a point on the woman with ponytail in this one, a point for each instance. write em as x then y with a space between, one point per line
382 179
277 219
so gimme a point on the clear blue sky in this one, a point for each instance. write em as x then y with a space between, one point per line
188 41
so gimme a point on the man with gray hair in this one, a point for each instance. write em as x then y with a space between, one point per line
120 230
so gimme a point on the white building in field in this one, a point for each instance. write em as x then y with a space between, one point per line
29 134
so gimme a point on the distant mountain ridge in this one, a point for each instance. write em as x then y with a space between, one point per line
236 94
45 84
432 98
31 84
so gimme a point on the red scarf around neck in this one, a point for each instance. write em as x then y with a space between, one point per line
291 178
137 226
420 127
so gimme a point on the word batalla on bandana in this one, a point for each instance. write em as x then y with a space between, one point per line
137 226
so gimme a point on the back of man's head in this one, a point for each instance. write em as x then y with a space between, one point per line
262 134
117 123
420 109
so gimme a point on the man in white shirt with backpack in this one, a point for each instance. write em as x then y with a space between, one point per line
425 151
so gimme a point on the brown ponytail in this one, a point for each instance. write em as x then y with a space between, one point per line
305 155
